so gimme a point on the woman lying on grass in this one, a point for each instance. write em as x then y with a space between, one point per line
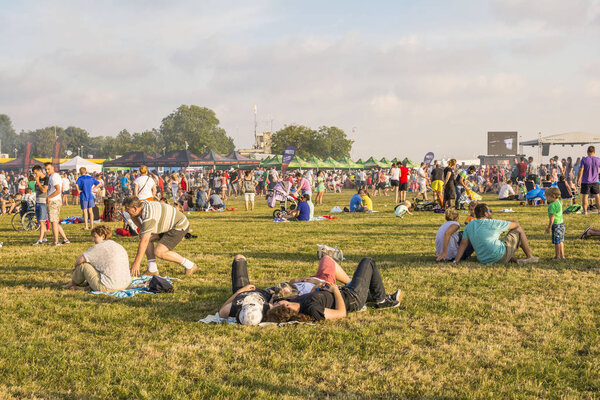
248 305
333 302
105 266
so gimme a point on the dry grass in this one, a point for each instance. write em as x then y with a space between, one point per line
466 331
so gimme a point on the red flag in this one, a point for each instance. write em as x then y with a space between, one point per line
27 158
56 158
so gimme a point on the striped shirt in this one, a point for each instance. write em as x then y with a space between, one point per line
160 218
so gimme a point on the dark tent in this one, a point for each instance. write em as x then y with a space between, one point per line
178 158
215 159
17 164
132 159
242 161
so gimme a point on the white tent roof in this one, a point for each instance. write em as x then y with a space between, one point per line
78 162
569 138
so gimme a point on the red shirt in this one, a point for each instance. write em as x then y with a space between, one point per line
403 174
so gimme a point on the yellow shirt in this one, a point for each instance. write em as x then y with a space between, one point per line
367 202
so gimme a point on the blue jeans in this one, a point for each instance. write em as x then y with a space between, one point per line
459 191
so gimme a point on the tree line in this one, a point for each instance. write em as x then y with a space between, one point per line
194 127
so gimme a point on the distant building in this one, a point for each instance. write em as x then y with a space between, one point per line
261 148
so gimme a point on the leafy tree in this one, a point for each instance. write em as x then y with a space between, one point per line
74 139
123 142
146 141
326 142
198 126
8 136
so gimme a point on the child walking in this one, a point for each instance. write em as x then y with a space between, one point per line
556 223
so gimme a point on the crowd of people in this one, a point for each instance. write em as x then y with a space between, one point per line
156 203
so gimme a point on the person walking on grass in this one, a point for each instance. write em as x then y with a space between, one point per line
144 187
437 183
249 188
41 194
556 224
54 203
66 188
587 178
85 186
162 223
484 235
403 188
422 182
320 187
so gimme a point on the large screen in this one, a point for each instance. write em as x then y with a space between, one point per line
502 143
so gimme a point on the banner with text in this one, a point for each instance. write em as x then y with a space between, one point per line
288 156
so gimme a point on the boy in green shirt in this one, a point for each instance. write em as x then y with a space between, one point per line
556 223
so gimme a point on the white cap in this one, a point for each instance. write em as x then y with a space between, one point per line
250 314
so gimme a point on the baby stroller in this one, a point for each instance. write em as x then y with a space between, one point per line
281 194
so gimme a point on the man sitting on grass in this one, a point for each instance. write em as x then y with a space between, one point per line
302 211
104 267
484 235
7 203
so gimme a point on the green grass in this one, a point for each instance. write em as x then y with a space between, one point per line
466 331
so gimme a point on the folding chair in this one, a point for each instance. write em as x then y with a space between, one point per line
529 185
546 185
565 191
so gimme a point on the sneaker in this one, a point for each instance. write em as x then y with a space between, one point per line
44 240
583 235
364 308
397 295
190 271
56 244
528 260
38 242
66 241
388 302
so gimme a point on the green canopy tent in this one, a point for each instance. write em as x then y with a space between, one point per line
360 163
372 163
275 161
265 161
312 162
297 163
335 164
396 160
410 164
324 164
385 163
347 163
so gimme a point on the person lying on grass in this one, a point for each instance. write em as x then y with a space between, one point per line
484 235
333 302
104 267
248 305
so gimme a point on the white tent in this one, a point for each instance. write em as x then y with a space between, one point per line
78 162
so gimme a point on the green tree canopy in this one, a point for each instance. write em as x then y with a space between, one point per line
327 141
8 136
199 127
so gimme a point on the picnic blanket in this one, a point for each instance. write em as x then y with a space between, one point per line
138 285
216 319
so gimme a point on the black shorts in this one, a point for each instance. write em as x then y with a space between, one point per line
590 188
403 186
171 238
394 182
381 185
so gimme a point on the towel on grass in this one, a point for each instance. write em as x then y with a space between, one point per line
216 319
138 285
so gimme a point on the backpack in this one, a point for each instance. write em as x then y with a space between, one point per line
159 285
248 186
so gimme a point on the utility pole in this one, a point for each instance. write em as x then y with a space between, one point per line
255 125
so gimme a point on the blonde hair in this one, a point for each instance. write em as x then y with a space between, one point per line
143 170
407 203
553 192
102 230
82 170
452 162
451 214
472 206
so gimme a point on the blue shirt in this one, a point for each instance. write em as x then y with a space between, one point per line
304 210
86 183
355 201
124 182
484 235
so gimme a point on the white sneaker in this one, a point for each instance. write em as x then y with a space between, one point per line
528 260
38 242
44 240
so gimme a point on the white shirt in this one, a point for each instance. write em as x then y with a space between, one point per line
66 184
395 174
452 244
53 181
145 185
505 191
422 176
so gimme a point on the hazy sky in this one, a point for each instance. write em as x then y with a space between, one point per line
400 77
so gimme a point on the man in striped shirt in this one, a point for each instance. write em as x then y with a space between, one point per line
161 223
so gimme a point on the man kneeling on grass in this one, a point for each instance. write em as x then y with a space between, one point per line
334 302
484 235
162 223
104 267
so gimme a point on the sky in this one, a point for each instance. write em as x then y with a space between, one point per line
400 77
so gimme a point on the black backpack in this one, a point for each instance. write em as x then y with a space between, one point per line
159 285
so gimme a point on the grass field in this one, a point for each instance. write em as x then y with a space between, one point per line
466 331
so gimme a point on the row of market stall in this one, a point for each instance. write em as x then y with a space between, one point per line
186 159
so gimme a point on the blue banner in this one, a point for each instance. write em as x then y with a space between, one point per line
288 155
428 158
